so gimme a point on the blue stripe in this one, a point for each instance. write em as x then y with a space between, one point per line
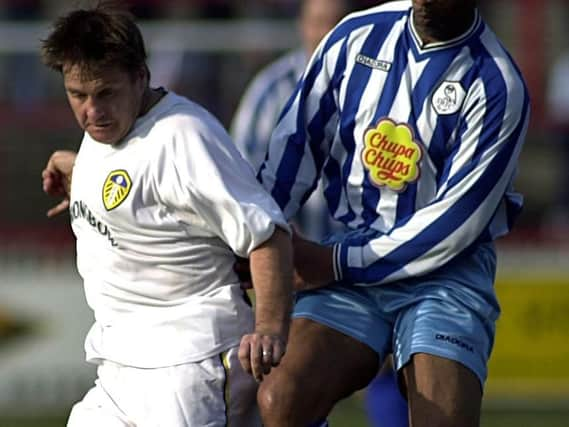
317 126
495 89
355 89
430 79
444 165
294 150
297 87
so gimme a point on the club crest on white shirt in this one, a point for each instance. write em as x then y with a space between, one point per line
116 188
448 98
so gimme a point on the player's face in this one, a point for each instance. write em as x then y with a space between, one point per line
433 11
106 104
317 18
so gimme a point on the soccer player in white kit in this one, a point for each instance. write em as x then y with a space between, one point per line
160 203
413 115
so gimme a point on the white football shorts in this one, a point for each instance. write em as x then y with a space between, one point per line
213 392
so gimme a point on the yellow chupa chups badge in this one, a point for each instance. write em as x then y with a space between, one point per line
391 155
116 188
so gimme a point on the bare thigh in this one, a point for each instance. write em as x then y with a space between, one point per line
321 366
441 393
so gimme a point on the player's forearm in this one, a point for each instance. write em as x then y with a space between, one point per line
271 271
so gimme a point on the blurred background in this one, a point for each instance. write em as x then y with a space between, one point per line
209 50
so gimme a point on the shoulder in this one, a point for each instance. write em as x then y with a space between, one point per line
184 116
286 70
384 15
185 129
498 70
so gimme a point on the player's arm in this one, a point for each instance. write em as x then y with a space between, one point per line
271 273
56 179
211 183
300 143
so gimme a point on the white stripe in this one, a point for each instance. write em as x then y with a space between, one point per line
365 115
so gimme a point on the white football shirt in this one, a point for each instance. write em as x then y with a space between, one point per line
158 219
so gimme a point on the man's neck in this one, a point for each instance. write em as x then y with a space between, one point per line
150 98
445 28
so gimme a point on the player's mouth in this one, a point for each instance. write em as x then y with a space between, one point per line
101 126
102 132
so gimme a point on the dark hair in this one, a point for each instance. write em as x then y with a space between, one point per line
103 36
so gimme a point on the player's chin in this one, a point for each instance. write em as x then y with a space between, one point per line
104 134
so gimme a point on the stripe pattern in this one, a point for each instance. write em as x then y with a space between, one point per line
465 103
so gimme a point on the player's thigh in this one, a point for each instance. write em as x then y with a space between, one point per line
443 346
320 367
240 393
337 340
450 313
97 409
441 392
212 392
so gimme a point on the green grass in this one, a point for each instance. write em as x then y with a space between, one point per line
350 413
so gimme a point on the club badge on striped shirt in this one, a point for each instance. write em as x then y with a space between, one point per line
391 155
448 98
116 188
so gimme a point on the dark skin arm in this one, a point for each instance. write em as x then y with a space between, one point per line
313 265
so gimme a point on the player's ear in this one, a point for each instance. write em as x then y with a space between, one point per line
142 75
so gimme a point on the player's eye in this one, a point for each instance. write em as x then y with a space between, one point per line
106 93
77 95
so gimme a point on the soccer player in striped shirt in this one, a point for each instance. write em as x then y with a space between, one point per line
251 129
412 115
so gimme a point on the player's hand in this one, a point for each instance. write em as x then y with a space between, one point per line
243 270
56 179
313 266
258 353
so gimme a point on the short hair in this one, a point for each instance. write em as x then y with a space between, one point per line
94 39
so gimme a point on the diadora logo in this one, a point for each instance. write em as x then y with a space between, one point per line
448 98
116 188
454 341
391 155
378 64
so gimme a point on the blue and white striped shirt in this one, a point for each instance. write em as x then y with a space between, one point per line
255 120
417 146
263 101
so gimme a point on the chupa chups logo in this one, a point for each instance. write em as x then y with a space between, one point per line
116 188
391 155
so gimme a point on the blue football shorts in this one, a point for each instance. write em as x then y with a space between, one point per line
450 312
